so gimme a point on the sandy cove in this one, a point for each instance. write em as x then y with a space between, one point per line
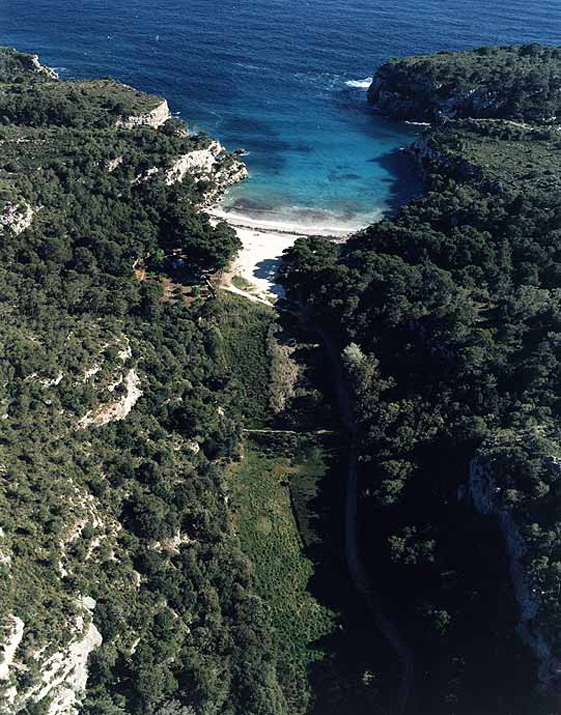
262 246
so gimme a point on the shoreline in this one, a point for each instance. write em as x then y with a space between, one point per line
263 243
238 220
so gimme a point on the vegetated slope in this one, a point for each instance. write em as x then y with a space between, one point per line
448 319
521 82
123 586
31 94
20 67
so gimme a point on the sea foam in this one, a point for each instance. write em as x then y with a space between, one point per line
359 83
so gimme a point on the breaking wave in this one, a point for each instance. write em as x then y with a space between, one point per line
359 83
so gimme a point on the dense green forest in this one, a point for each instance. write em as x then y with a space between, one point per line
104 316
448 320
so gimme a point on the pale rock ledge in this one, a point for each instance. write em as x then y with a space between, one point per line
42 69
10 647
118 410
155 118
63 676
212 164
486 497
16 217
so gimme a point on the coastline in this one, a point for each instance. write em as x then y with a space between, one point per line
263 243
243 221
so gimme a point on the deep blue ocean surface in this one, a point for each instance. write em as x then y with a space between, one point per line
284 79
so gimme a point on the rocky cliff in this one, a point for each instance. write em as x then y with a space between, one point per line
20 65
64 674
154 118
16 217
490 493
423 100
41 69
212 165
114 519
45 658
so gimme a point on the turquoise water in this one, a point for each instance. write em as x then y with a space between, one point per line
284 79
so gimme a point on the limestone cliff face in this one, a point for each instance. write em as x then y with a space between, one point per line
426 151
200 163
155 118
39 68
50 576
521 82
213 165
487 498
63 674
396 103
118 410
51 666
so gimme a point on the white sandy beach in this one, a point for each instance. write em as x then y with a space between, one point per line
263 243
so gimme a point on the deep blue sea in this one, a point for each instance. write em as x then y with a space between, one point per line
284 79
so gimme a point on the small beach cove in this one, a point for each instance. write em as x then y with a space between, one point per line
253 271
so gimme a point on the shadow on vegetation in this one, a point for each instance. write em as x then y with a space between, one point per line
267 269
358 675
480 665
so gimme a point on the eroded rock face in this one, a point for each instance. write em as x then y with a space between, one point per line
63 675
36 66
521 83
118 410
158 116
487 498
16 217
425 152
198 162
423 101
394 104
119 394
10 645
212 164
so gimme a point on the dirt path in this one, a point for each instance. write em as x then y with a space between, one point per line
288 431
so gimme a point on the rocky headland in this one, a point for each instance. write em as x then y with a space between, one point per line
520 82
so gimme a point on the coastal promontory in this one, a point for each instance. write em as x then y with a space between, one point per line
520 82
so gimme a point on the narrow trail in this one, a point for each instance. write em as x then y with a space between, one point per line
289 431
245 294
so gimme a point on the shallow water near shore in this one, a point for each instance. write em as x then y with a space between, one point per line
284 79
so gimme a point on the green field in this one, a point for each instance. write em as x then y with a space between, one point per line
264 489
243 332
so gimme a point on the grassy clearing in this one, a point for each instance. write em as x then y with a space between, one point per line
518 157
304 490
243 284
269 533
245 330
